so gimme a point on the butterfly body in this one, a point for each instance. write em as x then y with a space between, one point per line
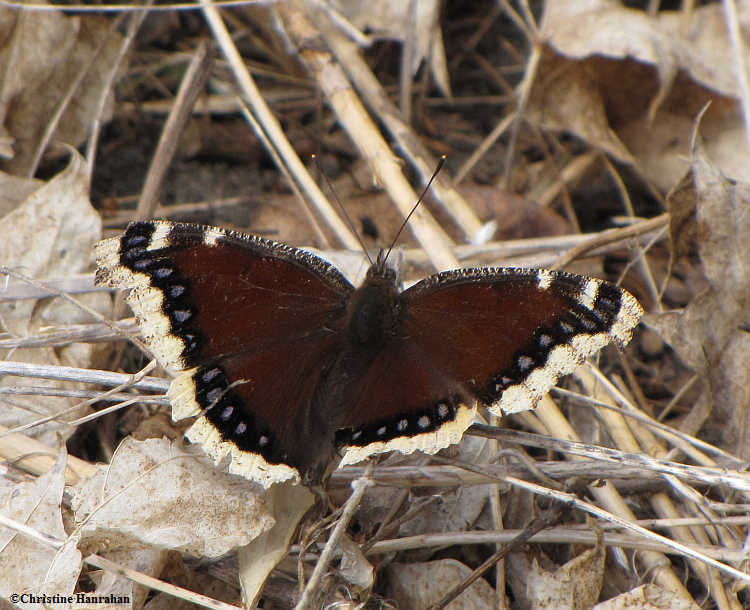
366 324
284 364
374 309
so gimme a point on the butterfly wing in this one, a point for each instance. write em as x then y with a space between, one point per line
502 336
405 403
513 332
248 321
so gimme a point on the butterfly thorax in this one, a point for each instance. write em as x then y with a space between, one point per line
373 311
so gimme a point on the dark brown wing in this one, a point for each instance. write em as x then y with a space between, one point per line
248 320
509 334
406 403
503 336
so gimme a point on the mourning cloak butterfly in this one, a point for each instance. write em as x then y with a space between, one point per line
284 363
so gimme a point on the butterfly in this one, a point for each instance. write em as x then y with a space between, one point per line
286 365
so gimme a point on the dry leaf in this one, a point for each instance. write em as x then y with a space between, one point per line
288 504
353 566
43 53
700 47
418 585
708 333
661 146
49 235
681 203
648 597
567 96
14 189
146 561
194 577
156 495
454 510
631 84
64 571
26 565
575 585
392 19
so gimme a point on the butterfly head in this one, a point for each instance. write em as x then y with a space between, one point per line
380 272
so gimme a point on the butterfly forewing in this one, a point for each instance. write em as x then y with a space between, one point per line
247 319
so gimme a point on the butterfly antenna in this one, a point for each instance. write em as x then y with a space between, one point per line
439 166
347 218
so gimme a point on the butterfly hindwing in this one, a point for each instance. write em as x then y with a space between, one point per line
406 404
